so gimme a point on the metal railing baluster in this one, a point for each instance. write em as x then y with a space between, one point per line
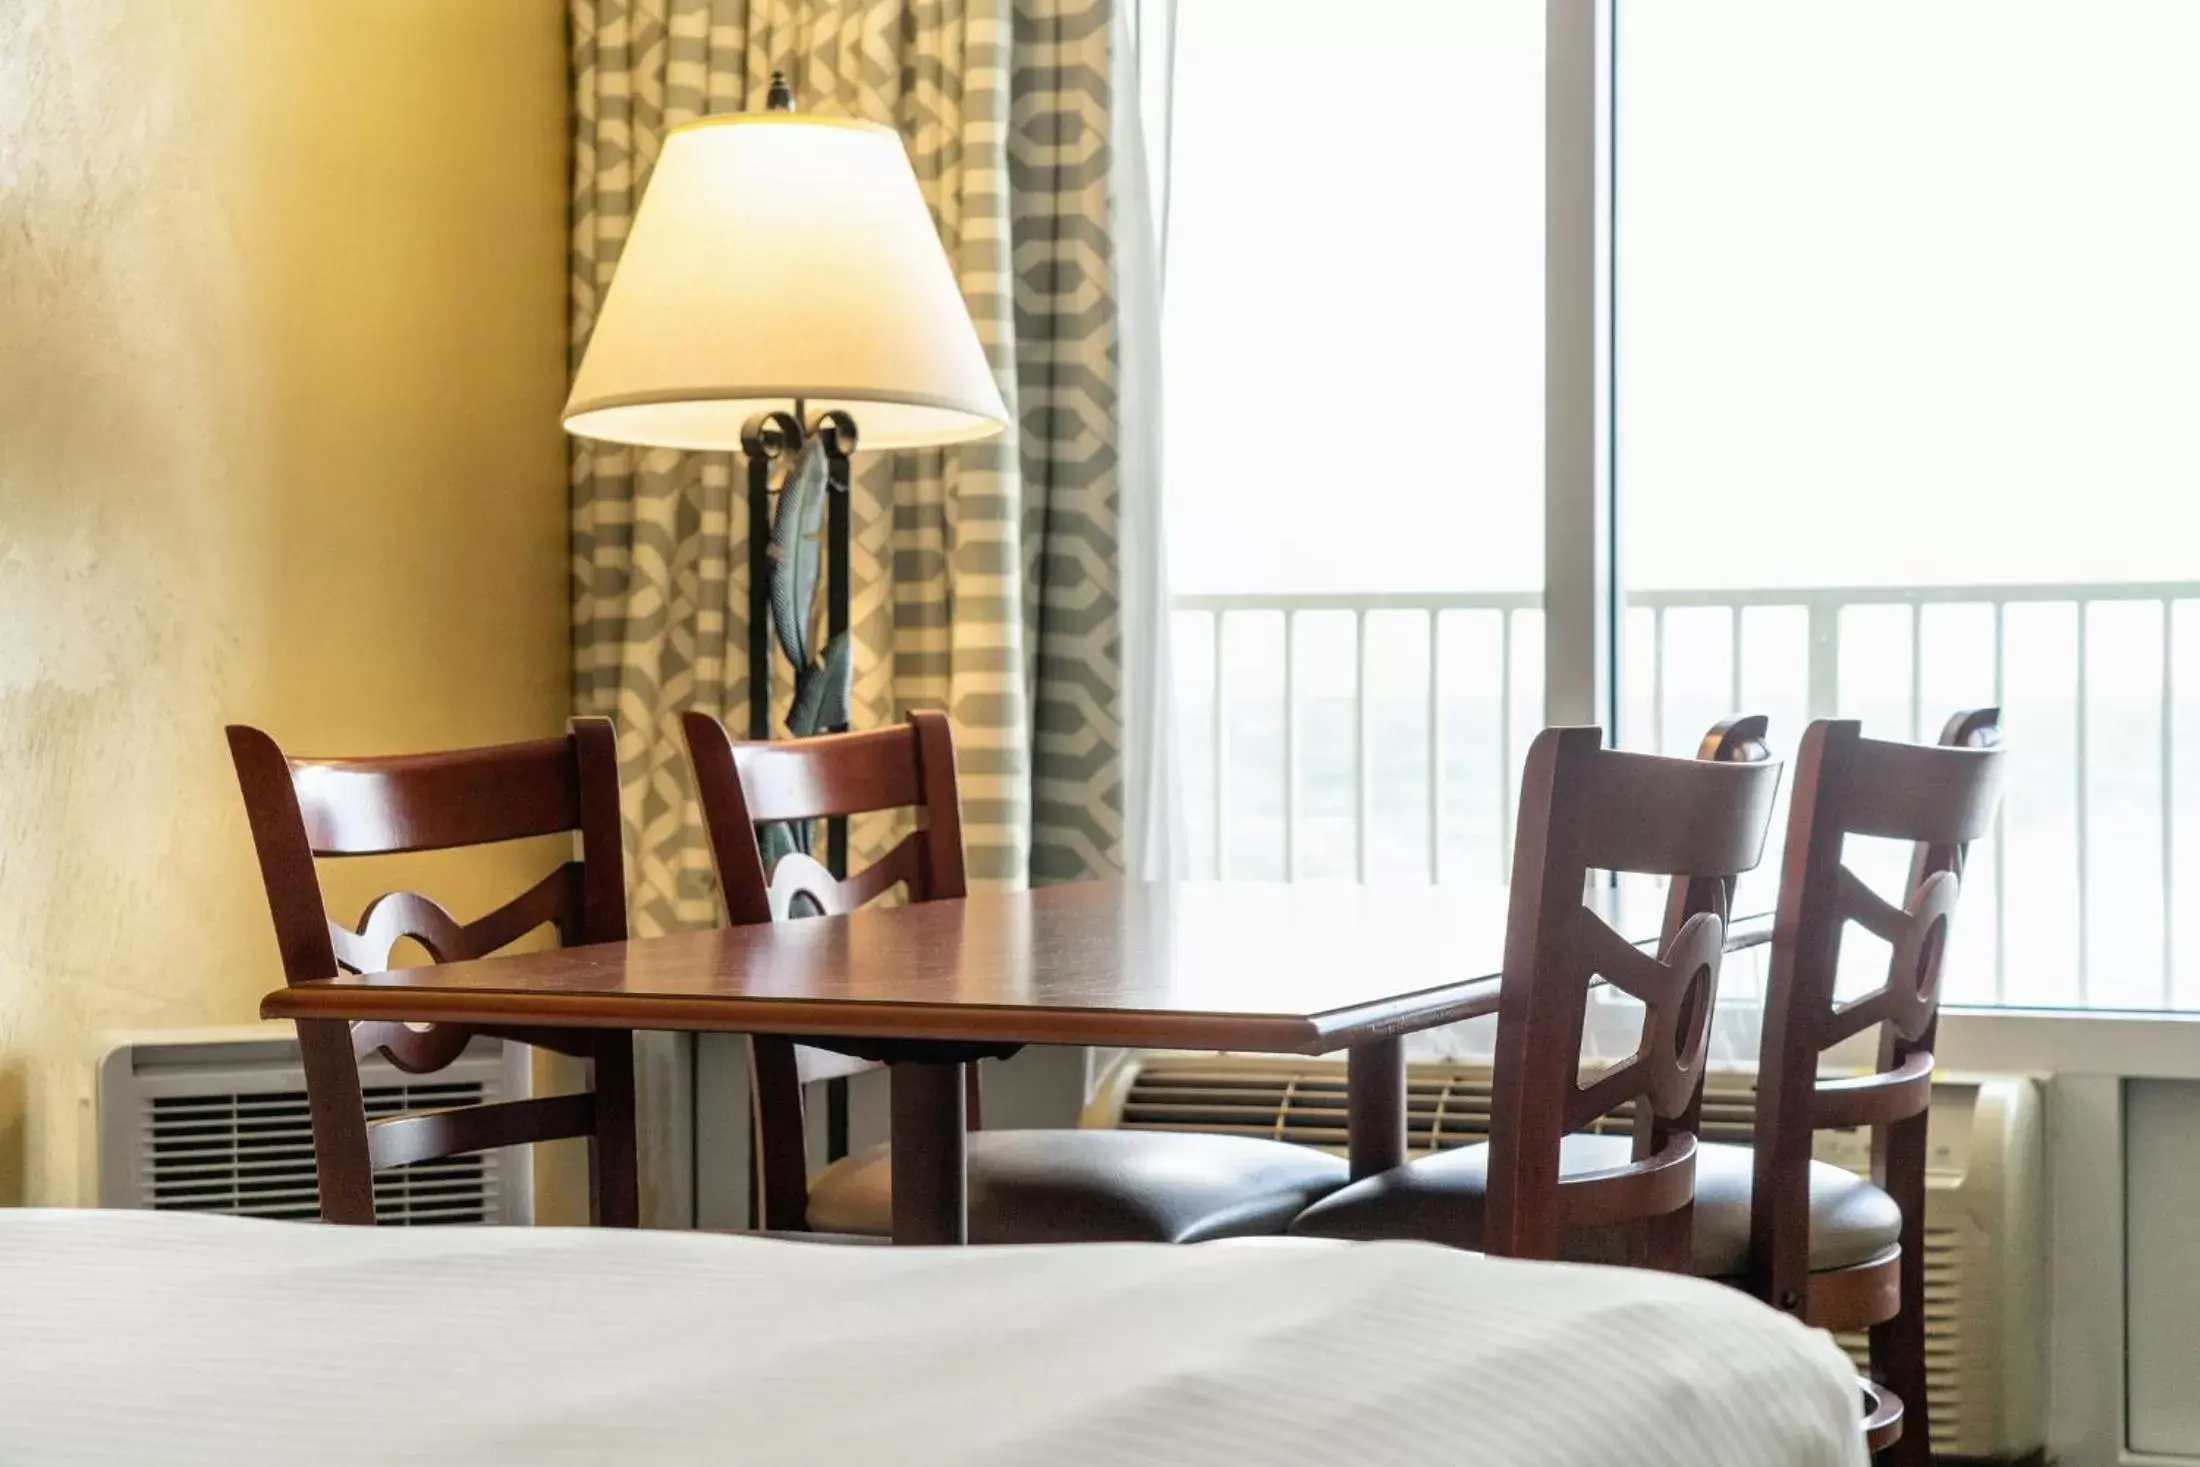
1362 784
1917 672
2085 956
1290 746
1221 695
2001 848
1824 658
1504 744
2168 734
1435 747
1734 658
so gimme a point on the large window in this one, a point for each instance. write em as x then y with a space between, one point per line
1901 302
1905 309
1354 352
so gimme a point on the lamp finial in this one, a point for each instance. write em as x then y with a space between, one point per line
781 96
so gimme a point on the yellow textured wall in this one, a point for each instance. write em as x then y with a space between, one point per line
281 354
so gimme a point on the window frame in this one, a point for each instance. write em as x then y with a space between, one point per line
1582 584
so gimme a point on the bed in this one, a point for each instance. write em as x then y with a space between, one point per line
165 1338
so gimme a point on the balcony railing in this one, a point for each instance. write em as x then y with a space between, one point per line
1378 737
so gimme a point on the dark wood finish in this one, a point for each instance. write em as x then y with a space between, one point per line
1375 1104
747 787
1941 798
614 1164
1585 809
1881 1099
426 1135
744 785
1736 740
1250 966
929 1156
301 810
1739 739
342 1150
781 1173
1254 967
1854 1297
1882 1417
1200 967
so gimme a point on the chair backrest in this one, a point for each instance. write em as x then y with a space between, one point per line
1739 739
743 786
1940 798
303 810
1585 808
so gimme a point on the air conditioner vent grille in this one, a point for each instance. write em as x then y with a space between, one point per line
1444 1107
250 1154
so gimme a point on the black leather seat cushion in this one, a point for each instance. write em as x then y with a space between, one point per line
1098 1186
1439 1199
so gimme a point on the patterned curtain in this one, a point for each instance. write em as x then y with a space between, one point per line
985 578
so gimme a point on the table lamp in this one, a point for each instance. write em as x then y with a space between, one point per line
784 292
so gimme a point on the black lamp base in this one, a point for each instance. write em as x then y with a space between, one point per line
777 439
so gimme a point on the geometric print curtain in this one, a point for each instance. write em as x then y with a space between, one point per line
985 578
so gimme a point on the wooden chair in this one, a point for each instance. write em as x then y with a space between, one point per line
1842 1253
1025 1186
1540 1188
304 809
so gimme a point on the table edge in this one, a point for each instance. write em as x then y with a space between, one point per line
349 1000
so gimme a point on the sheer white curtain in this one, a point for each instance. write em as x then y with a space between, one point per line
1144 75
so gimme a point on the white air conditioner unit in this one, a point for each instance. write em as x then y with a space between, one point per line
1985 1261
215 1120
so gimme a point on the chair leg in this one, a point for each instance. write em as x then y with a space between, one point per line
341 1159
1882 1420
1669 1241
1898 1361
780 1199
1898 1344
614 1173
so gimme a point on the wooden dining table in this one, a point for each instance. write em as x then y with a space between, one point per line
929 988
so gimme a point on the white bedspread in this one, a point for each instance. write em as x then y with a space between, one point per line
149 1338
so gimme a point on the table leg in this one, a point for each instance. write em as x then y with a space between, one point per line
931 1201
1375 1088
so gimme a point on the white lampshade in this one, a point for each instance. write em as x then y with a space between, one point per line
779 257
